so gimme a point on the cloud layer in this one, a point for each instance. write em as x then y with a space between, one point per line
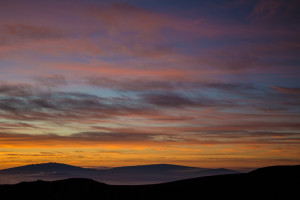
151 78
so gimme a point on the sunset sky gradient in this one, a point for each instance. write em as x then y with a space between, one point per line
115 83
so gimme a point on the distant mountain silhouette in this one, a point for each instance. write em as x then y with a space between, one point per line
280 182
157 167
44 167
129 175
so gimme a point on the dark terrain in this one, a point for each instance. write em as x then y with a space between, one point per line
277 182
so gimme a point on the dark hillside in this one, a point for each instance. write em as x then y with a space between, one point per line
280 182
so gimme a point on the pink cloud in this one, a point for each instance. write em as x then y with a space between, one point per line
286 90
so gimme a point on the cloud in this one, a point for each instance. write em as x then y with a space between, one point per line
179 101
137 84
22 102
15 89
25 102
186 83
19 125
126 138
13 33
51 80
123 17
170 93
147 77
88 139
286 90
276 11
168 100
118 32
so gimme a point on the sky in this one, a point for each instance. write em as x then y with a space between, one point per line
119 83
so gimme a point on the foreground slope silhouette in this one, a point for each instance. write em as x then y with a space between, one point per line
278 182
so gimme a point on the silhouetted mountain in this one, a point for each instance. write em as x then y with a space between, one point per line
44 171
158 173
266 183
129 175
156 167
44 168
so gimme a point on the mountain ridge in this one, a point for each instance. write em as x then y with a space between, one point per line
53 164
130 175
42 166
